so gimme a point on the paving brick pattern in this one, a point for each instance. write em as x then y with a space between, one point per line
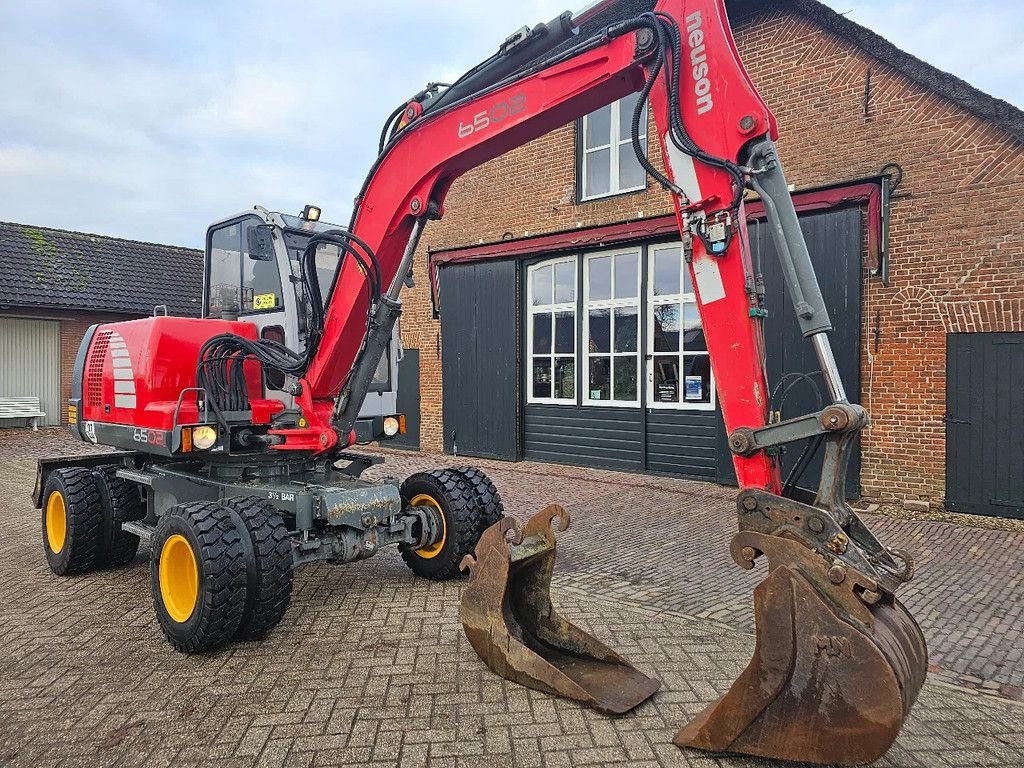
665 543
370 666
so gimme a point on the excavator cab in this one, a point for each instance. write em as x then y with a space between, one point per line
251 273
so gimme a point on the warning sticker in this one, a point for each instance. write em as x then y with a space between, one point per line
264 301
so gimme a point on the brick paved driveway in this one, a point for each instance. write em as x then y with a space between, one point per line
370 665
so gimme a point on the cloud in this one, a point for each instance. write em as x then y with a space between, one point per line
149 120
981 42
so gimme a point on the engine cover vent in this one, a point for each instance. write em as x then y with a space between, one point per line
94 368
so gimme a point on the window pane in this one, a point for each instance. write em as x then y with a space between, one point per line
565 332
599 173
382 376
600 277
261 281
627 275
631 174
600 378
667 266
598 127
327 258
600 330
666 379
697 378
542 377
542 333
225 253
565 282
625 329
565 378
666 328
541 285
693 333
626 107
625 378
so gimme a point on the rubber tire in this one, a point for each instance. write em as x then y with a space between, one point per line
268 564
84 517
462 517
121 503
487 496
220 556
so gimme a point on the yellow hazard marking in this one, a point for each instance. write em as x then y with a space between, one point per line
72 414
264 301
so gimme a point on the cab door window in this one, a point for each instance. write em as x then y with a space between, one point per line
225 260
261 282
238 282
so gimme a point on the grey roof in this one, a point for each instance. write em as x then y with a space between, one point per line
961 93
54 269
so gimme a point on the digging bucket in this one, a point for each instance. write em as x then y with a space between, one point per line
833 676
508 617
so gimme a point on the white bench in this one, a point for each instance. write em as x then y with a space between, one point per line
21 408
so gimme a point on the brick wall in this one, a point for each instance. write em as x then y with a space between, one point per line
957 242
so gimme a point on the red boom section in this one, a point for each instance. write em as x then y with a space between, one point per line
422 165
720 109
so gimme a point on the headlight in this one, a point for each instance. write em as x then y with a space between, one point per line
204 437
391 426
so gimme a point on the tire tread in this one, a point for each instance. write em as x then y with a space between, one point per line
270 569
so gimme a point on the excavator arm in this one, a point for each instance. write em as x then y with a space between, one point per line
839 661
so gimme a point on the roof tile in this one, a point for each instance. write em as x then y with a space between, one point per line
53 268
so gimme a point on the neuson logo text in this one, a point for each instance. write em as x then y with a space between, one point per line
699 63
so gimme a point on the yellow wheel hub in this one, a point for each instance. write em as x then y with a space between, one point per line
56 522
432 550
179 578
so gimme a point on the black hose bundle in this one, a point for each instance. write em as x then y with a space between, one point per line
666 30
221 369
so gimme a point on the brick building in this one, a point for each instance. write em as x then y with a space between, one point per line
55 284
905 179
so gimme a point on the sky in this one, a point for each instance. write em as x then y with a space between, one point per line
150 119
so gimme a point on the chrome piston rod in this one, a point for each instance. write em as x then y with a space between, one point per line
829 369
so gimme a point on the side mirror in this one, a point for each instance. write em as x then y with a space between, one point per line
261 242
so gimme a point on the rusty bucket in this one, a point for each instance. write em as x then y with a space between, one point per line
508 617
833 675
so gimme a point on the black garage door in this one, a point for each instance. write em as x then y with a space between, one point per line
985 423
479 343
482 337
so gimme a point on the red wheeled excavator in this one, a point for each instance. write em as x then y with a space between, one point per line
234 433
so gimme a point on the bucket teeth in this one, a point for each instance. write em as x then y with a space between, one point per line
831 680
509 620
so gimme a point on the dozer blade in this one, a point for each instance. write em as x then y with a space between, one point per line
832 677
510 622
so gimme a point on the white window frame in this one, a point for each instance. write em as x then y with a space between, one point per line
610 304
615 147
553 309
680 298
